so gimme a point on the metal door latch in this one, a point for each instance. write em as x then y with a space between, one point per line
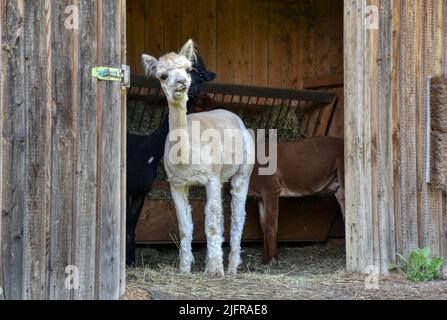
113 74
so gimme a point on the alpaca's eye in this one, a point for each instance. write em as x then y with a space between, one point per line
164 77
189 70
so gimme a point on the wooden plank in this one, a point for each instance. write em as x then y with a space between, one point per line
384 138
225 42
242 34
324 81
190 21
172 26
84 219
258 43
123 144
431 13
295 28
138 26
325 119
278 45
313 122
306 219
109 157
359 238
2 105
336 38
37 162
240 90
62 152
396 87
206 36
408 147
336 125
14 148
154 43
444 202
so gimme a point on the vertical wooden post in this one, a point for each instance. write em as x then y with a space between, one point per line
123 145
359 239
2 76
368 134
383 167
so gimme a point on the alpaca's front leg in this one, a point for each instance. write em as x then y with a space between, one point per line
183 210
239 190
214 229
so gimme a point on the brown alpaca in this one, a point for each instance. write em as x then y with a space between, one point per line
305 168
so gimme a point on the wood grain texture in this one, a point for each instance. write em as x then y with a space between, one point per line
300 220
49 155
172 25
234 37
206 33
259 46
154 42
225 68
383 110
38 160
84 220
408 147
109 214
242 33
2 99
278 42
137 9
396 96
359 237
14 131
431 65
123 160
62 151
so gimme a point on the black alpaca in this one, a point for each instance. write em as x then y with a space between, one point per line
143 156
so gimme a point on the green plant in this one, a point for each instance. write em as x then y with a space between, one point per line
419 266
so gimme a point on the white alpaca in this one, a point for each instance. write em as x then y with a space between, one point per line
173 72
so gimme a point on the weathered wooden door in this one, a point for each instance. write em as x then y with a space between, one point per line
62 151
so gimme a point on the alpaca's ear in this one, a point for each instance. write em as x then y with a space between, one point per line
209 76
150 65
189 51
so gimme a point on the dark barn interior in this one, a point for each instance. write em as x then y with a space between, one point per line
292 45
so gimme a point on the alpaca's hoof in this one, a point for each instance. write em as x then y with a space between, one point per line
270 261
215 270
232 268
186 261
235 261
185 268
215 273
232 271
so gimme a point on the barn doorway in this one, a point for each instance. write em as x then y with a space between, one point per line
292 45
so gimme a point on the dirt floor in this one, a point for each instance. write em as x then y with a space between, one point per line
311 272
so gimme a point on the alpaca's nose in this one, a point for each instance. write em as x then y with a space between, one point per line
182 83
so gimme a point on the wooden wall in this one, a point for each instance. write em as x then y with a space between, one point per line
389 206
274 43
62 150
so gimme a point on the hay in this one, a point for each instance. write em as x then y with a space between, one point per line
315 272
146 113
